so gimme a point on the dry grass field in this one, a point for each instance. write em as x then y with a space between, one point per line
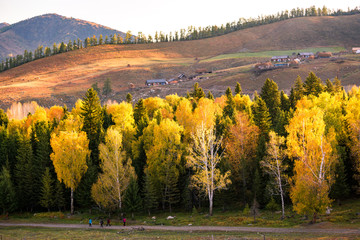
63 78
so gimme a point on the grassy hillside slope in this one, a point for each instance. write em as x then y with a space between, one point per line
65 77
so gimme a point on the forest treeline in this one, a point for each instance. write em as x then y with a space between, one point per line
191 152
191 33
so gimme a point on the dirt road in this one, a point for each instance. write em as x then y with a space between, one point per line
341 231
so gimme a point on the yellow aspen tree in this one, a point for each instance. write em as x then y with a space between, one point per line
122 115
116 172
152 104
164 150
184 116
70 152
273 164
206 112
353 119
205 154
312 148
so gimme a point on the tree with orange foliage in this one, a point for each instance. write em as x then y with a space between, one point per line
241 147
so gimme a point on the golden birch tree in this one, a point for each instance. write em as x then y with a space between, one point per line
353 120
205 154
116 173
312 148
164 150
273 163
70 152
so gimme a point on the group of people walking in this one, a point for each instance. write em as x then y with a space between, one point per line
107 222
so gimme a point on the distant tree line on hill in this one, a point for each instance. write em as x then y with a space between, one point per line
192 33
191 152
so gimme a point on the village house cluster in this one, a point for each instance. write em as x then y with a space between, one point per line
295 59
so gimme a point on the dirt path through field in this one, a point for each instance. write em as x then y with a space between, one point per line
355 232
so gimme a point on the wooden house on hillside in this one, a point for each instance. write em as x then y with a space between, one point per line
306 55
154 82
282 59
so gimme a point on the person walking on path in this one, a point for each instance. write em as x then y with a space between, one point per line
101 223
90 222
108 222
124 221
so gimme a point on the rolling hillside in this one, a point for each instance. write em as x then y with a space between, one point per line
46 30
63 78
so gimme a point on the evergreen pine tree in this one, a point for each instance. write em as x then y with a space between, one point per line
96 87
229 109
238 89
129 98
271 95
41 151
107 119
150 195
210 96
59 199
198 92
337 85
329 87
172 191
313 85
24 175
3 147
340 189
46 196
54 51
13 144
132 199
139 111
91 112
297 92
261 116
62 48
107 87
83 192
7 192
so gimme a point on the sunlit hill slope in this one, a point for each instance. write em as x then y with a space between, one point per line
63 78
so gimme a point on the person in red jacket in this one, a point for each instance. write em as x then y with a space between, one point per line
124 221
